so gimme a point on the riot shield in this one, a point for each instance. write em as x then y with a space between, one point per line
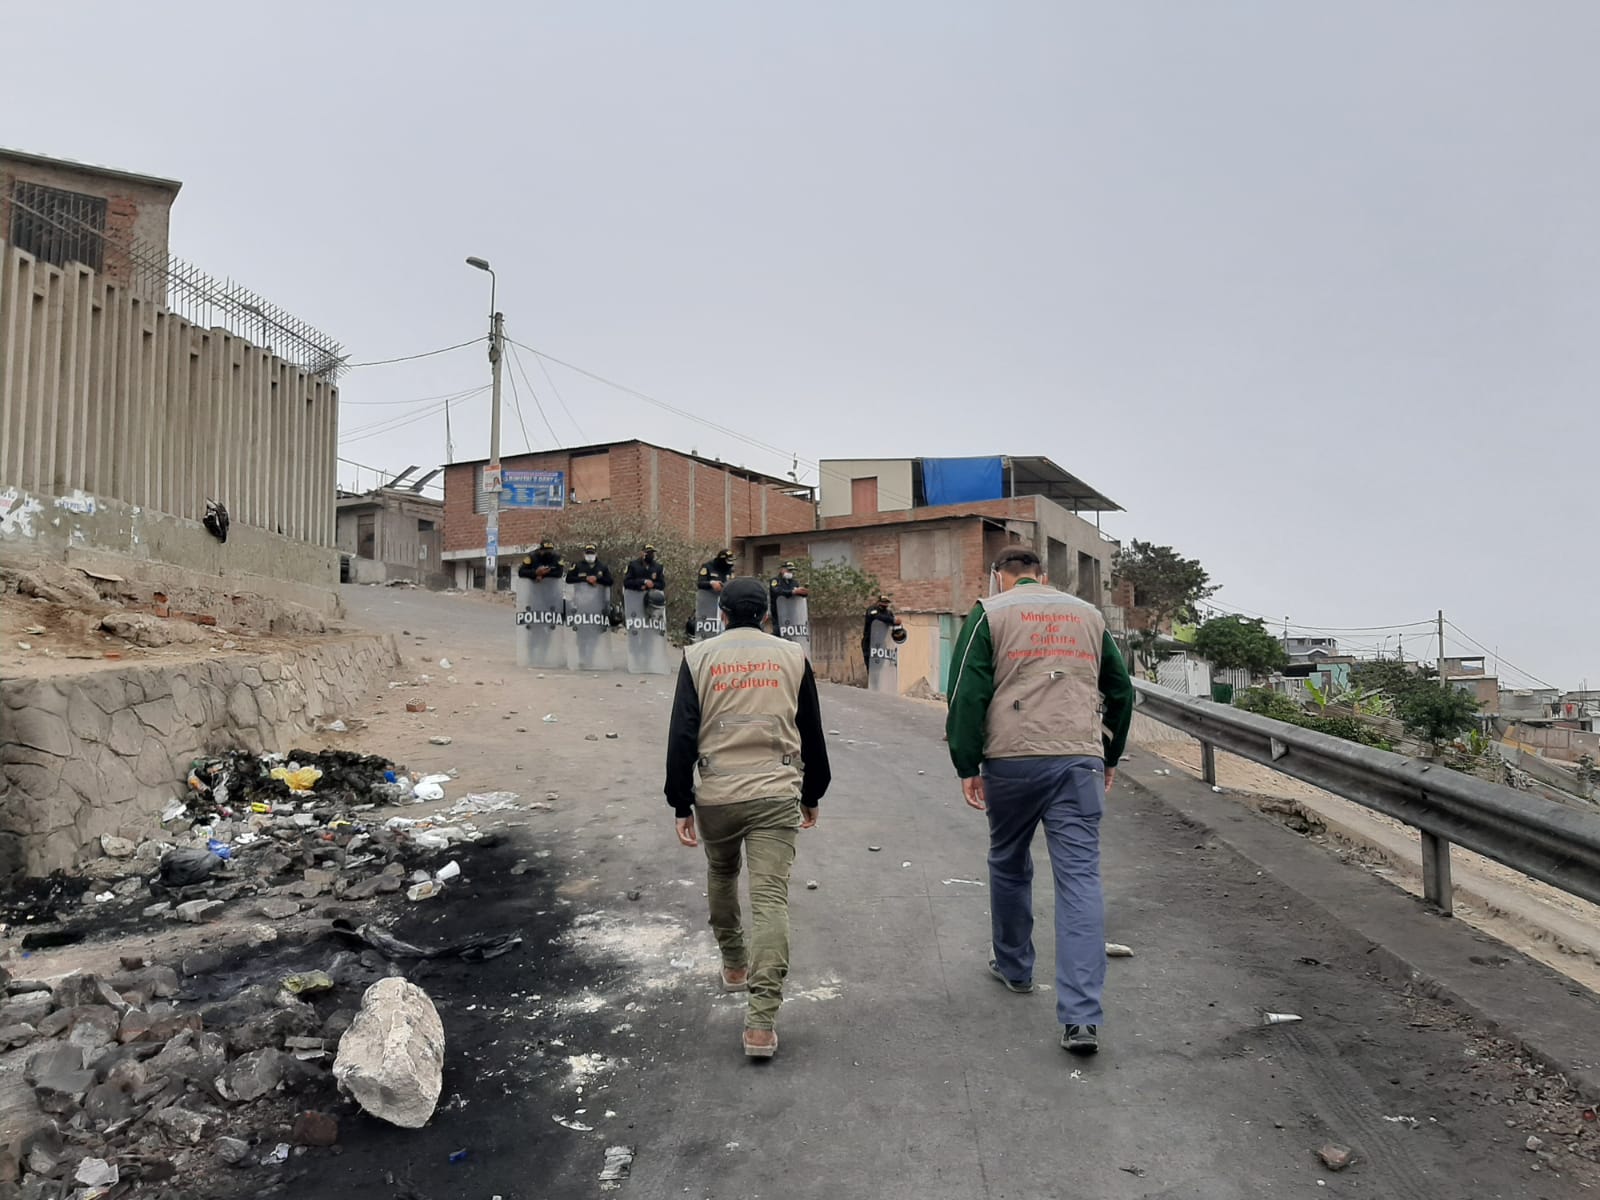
590 646
707 617
541 638
647 635
792 621
883 660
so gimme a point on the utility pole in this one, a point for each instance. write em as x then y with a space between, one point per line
491 533
1443 682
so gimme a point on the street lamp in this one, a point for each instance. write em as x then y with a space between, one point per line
491 539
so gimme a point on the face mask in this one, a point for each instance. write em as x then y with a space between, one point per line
788 574
588 558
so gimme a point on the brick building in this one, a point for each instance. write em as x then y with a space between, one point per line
63 212
890 518
700 498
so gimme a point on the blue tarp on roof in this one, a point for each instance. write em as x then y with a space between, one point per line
962 480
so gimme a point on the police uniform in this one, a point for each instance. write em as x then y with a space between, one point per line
543 563
642 570
784 584
717 570
746 717
580 571
880 612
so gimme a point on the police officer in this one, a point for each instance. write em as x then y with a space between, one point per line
1039 715
881 611
644 574
746 714
542 563
784 585
716 572
590 570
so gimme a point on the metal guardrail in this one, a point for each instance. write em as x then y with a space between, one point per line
1538 837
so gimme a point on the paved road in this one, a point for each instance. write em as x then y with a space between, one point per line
904 1070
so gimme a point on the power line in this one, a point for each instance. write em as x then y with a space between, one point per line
350 462
394 423
392 403
517 361
550 379
516 401
397 419
1499 658
383 362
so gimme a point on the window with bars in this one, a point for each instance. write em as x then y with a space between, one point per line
57 226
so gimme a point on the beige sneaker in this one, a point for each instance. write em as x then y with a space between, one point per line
735 979
760 1043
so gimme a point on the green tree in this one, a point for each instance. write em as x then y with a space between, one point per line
1438 713
836 589
1392 678
1235 643
1165 584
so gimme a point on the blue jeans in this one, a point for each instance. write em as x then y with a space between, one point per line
1068 795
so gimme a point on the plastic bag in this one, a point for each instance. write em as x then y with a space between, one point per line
302 779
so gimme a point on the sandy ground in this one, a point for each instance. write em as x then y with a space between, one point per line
1543 922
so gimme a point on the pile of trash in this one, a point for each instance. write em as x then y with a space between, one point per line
141 1078
296 826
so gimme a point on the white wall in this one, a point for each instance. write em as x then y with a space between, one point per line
893 476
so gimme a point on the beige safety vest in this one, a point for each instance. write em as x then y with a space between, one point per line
749 688
1046 674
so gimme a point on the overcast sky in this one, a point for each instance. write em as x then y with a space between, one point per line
1309 289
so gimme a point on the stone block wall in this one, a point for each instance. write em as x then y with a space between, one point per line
82 755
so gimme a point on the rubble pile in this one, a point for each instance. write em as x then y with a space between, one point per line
224 1059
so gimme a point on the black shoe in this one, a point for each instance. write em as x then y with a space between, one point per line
1022 989
1080 1039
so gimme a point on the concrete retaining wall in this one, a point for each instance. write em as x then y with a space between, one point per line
104 751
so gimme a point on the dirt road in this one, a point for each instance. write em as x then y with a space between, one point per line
905 1071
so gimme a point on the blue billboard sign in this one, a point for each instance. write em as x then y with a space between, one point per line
533 489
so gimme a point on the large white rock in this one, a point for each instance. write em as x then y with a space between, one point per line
391 1059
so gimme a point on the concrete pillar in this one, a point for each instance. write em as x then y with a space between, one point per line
49 379
98 429
11 353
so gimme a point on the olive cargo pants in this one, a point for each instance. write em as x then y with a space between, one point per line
763 831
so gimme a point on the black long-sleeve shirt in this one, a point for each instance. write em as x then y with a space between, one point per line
547 560
639 571
714 571
580 572
683 743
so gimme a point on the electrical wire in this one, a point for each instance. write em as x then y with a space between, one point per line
395 422
383 362
517 359
516 402
1500 658
550 379
434 404
350 462
537 403
391 403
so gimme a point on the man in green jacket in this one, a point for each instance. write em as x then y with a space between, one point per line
1039 715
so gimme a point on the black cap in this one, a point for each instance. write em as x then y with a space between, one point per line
547 544
1023 556
743 598
788 565
589 549
724 553
649 549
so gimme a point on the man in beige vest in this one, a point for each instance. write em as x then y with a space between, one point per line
746 715
1040 705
